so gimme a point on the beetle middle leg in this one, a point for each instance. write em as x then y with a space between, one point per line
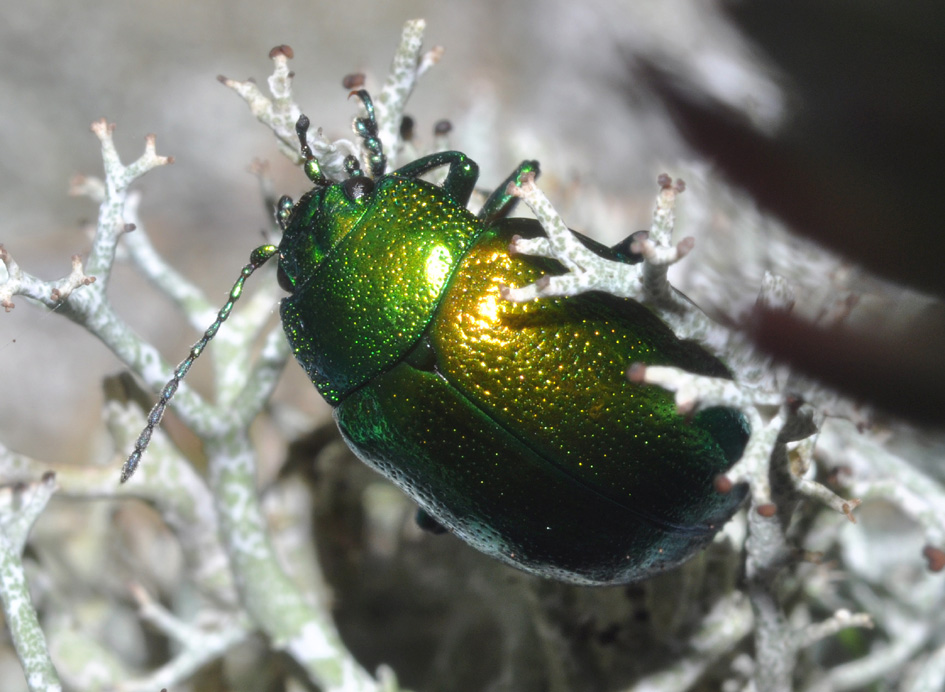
500 202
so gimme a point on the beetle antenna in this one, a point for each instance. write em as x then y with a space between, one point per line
311 166
366 128
258 258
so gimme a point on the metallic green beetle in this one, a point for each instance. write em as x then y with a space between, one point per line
511 425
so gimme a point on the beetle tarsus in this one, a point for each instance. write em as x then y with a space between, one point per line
501 202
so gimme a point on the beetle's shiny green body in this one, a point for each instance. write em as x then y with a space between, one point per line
512 425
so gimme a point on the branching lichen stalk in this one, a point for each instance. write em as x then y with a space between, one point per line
19 509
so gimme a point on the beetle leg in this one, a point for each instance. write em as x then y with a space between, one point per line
625 248
621 252
500 202
428 523
460 179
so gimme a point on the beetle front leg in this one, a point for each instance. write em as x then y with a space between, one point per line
460 179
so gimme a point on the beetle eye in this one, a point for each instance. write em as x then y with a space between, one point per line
285 283
284 211
357 187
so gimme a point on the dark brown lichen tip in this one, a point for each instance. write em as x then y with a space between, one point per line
636 373
406 128
282 50
767 510
723 484
935 558
354 80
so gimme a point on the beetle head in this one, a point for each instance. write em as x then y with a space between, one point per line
325 214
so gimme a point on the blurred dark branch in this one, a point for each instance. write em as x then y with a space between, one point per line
857 168
904 377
